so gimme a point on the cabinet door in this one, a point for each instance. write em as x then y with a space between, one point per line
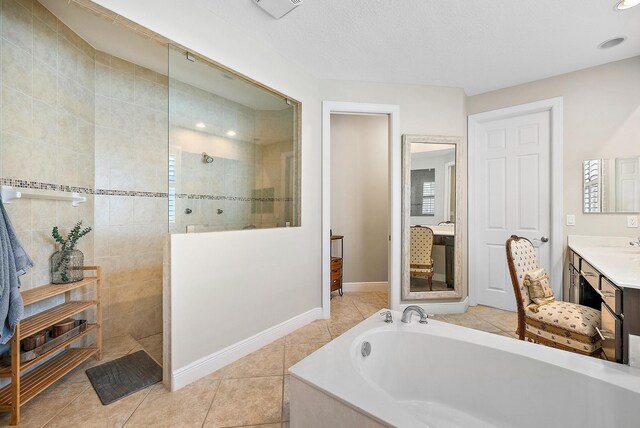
611 335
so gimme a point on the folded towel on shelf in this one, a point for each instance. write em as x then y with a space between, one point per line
14 262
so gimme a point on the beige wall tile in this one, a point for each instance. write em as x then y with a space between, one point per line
17 69
17 24
16 112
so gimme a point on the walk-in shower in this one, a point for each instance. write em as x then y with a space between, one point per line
233 150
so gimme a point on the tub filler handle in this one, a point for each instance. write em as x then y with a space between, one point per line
388 317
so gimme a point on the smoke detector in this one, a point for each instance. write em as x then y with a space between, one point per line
278 8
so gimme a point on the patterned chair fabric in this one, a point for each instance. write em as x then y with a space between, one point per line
525 260
567 319
559 324
421 263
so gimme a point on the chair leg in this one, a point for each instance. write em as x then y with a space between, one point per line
430 283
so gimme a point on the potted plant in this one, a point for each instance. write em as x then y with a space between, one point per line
67 262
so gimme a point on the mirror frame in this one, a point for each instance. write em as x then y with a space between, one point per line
456 293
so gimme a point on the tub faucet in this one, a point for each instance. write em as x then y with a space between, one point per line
635 243
406 315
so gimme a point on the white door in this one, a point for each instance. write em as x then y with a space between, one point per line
512 184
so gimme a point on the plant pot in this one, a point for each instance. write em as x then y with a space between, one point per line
66 266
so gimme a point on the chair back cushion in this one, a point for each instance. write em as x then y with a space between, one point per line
421 245
539 287
523 255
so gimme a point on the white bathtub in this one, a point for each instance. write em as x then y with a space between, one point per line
441 375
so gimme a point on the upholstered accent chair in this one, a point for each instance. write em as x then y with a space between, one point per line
421 264
562 325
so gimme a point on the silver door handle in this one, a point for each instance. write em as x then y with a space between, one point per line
544 239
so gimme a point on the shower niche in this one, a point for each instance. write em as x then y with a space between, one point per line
234 150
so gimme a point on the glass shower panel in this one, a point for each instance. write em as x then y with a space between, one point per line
234 159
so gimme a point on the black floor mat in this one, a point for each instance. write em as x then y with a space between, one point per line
124 376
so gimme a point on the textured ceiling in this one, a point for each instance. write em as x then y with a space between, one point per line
479 45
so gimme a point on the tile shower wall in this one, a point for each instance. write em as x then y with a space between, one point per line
72 116
47 126
131 155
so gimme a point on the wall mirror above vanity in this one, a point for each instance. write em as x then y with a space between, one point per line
431 247
611 185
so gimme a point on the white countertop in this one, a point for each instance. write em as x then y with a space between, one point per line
611 256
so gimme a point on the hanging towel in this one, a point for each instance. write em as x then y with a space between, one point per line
14 262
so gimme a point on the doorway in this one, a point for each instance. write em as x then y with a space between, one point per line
515 188
393 186
360 200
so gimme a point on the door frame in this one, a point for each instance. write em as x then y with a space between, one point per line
395 188
555 108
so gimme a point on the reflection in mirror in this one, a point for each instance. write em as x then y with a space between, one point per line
432 220
611 185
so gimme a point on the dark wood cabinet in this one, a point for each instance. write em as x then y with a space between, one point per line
337 264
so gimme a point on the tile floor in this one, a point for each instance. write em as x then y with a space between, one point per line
251 392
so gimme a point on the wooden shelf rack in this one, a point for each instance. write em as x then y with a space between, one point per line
59 360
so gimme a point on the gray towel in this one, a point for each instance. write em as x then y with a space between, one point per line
14 262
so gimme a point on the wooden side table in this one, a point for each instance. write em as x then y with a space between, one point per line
337 265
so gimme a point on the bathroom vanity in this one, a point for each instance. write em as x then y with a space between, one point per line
604 273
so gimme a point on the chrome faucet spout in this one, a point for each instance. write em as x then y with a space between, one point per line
406 315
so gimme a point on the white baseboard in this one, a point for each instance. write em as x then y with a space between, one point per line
439 308
365 286
228 355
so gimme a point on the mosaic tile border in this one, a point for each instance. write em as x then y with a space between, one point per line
26 184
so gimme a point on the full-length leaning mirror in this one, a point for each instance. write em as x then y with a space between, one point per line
611 185
430 244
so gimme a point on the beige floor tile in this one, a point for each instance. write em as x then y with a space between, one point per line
279 343
368 308
505 322
285 399
248 401
295 353
471 321
267 361
346 314
153 346
186 407
316 332
45 406
87 411
337 328
115 347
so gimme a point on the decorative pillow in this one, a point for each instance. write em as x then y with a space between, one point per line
537 281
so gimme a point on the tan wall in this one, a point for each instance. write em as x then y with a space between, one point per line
601 120
359 194
72 116
130 153
47 133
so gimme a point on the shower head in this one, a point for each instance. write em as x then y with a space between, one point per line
206 158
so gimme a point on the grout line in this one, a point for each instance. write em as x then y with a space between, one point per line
215 393
67 405
139 404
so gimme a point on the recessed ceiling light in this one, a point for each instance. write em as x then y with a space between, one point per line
231 133
200 125
611 42
627 4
